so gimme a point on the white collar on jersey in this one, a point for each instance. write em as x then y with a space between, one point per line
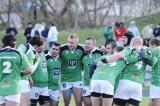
91 52
8 47
93 49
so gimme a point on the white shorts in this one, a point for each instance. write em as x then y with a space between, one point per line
54 94
37 91
25 87
129 90
154 92
86 91
68 85
102 86
13 98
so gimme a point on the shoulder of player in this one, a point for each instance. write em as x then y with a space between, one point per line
64 47
97 51
48 57
11 50
80 47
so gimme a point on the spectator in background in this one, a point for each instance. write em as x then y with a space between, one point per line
115 29
35 30
27 32
11 30
108 33
44 32
52 36
156 31
133 28
120 31
147 34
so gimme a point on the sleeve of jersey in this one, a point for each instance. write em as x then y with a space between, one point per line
129 57
149 59
25 63
21 48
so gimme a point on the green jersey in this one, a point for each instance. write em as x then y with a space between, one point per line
130 56
27 49
11 64
71 63
40 75
155 80
134 71
87 60
109 71
53 67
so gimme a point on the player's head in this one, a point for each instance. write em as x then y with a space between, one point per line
55 49
38 43
110 47
136 42
9 40
121 24
73 41
126 38
154 42
89 44
117 24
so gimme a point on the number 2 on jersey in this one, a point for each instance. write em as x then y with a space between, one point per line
7 67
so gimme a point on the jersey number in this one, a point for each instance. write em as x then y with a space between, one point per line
7 67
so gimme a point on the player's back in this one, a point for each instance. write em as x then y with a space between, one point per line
10 67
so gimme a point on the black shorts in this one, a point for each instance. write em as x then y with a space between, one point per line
95 94
42 100
122 102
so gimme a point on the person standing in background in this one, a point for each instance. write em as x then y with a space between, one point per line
27 32
147 34
108 33
133 28
52 36
11 30
156 30
120 30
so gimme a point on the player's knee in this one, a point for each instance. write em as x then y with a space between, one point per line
67 100
87 102
79 100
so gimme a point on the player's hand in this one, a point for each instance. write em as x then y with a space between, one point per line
37 58
103 49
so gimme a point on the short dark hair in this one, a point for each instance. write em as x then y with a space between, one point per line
93 39
36 40
56 44
9 40
155 41
129 36
113 44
